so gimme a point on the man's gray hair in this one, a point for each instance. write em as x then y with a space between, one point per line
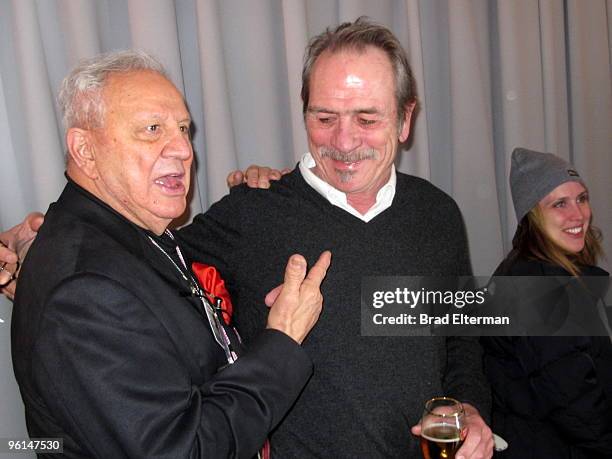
357 36
80 95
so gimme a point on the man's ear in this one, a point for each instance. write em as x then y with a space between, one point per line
406 122
81 151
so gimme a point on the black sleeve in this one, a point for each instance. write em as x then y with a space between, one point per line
464 378
111 374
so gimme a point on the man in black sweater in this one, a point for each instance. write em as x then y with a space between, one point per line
366 392
358 94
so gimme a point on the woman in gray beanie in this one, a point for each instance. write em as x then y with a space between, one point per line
552 396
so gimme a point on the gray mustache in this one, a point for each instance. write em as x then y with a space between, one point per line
358 155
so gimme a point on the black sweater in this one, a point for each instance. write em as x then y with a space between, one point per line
552 396
366 391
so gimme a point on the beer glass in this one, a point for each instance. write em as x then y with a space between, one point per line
442 428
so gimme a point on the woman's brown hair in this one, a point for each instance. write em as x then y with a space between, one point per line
531 241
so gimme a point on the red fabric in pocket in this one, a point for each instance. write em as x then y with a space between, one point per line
214 287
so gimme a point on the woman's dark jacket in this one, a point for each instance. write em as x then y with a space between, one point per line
552 396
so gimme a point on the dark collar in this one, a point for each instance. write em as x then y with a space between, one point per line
95 212
100 216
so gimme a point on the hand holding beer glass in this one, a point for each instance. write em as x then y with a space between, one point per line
443 428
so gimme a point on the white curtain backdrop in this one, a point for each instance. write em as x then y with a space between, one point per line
492 75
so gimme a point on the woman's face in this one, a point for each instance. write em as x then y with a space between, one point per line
566 215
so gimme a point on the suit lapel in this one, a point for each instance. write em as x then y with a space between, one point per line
161 282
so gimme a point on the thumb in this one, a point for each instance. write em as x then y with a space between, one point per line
295 272
416 430
35 221
234 178
273 295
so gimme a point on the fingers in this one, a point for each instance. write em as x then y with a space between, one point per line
251 176
255 176
35 220
8 273
298 301
469 445
234 178
9 291
476 446
261 176
8 270
14 244
273 295
318 272
315 275
7 255
479 441
295 272
416 430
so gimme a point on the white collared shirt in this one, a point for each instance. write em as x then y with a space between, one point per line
384 197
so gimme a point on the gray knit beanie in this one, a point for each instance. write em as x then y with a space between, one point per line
533 175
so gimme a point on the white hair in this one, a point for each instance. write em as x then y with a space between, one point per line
80 94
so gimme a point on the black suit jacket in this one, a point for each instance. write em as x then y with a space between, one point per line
109 356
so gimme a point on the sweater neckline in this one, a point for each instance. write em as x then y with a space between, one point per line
301 184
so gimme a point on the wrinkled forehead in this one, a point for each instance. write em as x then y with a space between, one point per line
353 59
140 91
356 72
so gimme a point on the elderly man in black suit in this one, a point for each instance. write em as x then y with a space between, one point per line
116 348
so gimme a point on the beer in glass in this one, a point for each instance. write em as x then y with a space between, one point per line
442 428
